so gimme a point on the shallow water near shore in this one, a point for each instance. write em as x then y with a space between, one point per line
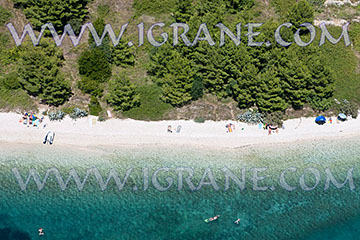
144 209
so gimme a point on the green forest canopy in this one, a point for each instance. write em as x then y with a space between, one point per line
270 78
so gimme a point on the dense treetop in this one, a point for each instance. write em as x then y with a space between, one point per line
58 12
270 78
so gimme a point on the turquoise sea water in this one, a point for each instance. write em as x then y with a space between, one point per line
145 212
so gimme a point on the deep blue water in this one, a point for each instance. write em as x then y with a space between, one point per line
338 231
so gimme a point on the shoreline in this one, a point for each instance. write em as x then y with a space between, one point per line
133 133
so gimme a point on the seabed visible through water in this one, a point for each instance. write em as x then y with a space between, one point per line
308 190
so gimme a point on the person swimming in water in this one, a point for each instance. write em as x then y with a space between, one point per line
41 231
214 218
237 221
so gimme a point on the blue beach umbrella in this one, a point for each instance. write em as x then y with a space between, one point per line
320 120
342 117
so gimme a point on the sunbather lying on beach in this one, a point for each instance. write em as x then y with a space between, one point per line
169 129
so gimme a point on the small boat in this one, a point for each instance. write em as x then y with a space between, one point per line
49 137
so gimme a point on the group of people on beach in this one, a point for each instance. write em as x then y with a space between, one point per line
31 119
271 129
177 129
337 120
230 127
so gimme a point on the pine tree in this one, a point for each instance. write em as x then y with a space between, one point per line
247 86
322 80
159 58
94 69
197 88
213 65
59 13
57 91
236 5
270 98
93 64
122 55
183 11
94 106
5 15
122 95
40 74
301 12
174 73
270 77
295 77
99 25
177 82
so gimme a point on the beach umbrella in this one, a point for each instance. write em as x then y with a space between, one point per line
342 117
320 120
